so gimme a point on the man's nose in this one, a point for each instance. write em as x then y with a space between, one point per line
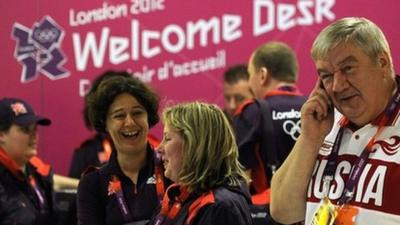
339 82
232 104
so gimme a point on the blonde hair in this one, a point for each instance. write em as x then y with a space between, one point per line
210 155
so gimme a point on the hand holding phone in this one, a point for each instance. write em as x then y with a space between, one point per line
317 114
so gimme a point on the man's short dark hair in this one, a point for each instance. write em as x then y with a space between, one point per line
236 73
279 59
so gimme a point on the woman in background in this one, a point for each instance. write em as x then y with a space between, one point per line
130 186
201 158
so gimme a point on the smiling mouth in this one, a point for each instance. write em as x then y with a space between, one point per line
132 134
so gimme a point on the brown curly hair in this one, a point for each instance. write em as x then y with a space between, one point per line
99 101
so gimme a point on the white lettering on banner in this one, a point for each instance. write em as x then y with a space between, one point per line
369 188
150 43
231 25
203 27
84 85
90 46
112 12
146 6
285 16
292 114
117 50
165 40
211 63
176 70
146 75
106 12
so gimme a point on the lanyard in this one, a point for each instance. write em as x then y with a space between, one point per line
160 188
169 210
39 194
329 172
115 188
104 155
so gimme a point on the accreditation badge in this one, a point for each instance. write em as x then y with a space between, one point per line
325 214
347 215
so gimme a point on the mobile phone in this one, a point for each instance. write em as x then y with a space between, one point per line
330 106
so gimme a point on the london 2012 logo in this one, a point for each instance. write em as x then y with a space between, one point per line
38 50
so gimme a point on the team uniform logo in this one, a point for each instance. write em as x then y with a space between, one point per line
38 50
391 147
292 128
18 109
151 180
291 124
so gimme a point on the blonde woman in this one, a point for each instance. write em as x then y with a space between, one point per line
201 158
